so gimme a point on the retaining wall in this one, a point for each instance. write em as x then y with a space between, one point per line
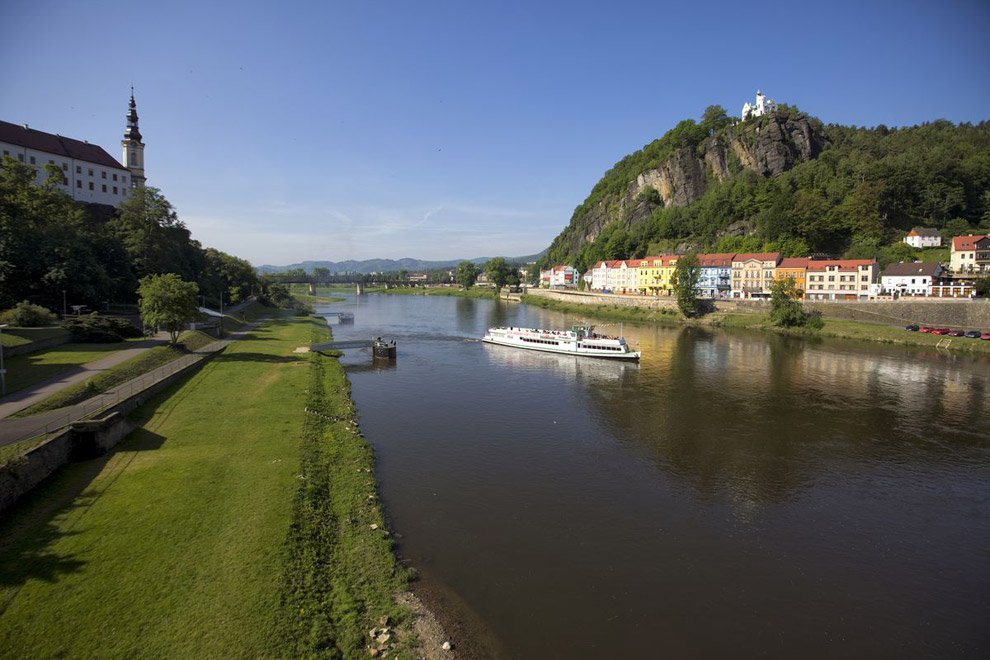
40 345
966 314
81 441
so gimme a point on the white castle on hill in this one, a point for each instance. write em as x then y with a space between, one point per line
762 106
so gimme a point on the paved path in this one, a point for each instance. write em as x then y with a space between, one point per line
14 430
32 394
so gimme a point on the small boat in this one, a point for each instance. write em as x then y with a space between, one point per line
579 340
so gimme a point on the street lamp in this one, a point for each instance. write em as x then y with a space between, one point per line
3 372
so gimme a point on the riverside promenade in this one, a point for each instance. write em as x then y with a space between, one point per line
16 430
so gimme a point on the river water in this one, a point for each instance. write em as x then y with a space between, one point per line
734 494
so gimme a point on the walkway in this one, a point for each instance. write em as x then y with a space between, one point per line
15 430
40 391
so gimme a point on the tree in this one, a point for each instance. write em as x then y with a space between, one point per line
167 301
786 311
533 273
982 286
155 239
467 274
498 272
684 282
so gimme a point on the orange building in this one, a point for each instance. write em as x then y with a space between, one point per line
795 268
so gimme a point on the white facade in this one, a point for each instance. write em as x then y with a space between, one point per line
559 277
760 107
923 237
84 181
918 283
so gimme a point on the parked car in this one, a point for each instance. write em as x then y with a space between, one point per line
925 328
956 333
912 327
974 334
985 335
940 331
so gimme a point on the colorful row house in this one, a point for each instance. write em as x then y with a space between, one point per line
559 277
656 274
753 273
715 278
841 279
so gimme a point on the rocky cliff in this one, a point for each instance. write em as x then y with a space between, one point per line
768 146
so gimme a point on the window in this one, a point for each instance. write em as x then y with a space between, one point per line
78 169
104 187
20 157
864 278
115 190
65 167
831 278
124 179
90 185
51 162
115 177
32 160
104 174
91 171
78 183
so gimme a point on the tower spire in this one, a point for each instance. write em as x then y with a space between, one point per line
132 146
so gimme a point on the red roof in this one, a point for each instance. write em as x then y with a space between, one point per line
758 256
30 138
840 264
716 259
966 242
793 262
633 263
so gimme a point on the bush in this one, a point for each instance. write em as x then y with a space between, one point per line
97 329
26 315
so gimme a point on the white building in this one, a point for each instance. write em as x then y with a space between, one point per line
923 237
89 174
970 254
762 106
910 279
559 277
841 279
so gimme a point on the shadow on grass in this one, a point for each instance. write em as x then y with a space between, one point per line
255 357
55 510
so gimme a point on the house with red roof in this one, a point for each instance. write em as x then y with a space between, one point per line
841 279
753 273
970 254
89 174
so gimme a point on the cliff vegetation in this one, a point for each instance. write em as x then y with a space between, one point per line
783 182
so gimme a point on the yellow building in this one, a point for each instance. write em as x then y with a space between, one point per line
795 268
649 275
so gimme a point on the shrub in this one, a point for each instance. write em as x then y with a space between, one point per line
97 329
26 315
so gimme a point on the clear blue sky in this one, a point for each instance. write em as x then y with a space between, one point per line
332 130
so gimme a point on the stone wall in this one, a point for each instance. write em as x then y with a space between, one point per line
965 314
40 345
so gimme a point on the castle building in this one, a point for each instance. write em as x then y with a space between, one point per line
89 173
762 106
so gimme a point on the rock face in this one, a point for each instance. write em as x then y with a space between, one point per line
768 146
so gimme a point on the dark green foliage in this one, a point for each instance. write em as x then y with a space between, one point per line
94 328
26 315
687 272
982 286
499 272
466 274
856 199
786 311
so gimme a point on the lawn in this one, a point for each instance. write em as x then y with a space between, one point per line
104 381
19 336
26 370
231 523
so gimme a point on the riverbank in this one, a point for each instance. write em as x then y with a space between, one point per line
833 328
239 519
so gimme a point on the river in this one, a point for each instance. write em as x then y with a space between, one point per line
734 494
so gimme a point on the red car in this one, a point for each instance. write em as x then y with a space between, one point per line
956 333
925 328
985 335
940 331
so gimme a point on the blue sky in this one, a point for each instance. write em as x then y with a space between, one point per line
439 130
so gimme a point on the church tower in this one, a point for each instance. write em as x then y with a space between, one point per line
133 147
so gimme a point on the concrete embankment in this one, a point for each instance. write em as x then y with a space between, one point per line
951 313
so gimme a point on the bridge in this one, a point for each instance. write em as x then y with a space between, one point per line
341 345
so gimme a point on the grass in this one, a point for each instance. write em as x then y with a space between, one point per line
107 380
11 337
30 368
14 450
229 524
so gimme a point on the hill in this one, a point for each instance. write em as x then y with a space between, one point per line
783 182
384 265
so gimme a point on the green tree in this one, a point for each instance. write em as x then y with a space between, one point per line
982 286
467 274
155 239
684 283
498 272
167 301
786 311
533 273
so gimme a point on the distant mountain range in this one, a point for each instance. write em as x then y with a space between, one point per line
384 265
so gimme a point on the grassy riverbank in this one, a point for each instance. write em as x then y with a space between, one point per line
473 292
30 368
231 523
834 328
119 374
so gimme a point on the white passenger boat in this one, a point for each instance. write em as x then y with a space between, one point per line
579 340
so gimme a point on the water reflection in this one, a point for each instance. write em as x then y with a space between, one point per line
568 367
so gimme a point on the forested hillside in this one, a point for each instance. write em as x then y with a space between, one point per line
783 182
